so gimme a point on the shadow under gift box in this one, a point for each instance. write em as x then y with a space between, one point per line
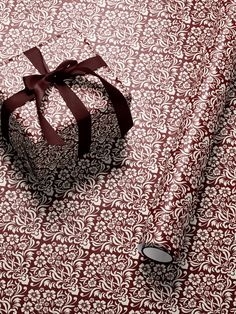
41 160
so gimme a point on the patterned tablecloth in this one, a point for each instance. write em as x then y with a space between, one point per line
76 252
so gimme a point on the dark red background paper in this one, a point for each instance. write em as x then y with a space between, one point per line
78 253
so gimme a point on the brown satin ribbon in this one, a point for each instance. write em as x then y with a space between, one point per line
36 86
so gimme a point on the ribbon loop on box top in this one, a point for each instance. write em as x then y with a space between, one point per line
36 86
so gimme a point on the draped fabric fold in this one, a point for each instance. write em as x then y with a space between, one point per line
36 86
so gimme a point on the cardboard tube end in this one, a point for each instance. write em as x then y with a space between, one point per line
157 254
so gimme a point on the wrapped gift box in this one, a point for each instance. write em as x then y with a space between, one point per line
41 158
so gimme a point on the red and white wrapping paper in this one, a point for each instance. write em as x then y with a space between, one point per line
41 160
176 195
79 255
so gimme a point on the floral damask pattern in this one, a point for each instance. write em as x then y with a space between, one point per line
190 153
77 252
41 160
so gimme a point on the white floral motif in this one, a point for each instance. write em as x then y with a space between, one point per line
165 53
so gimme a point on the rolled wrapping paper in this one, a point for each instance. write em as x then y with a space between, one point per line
184 170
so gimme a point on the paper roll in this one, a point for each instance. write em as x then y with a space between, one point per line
177 191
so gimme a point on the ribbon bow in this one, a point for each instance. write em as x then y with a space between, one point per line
36 86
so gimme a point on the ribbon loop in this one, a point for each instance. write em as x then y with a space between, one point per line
31 80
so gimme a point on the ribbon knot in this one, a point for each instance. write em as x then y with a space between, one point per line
37 84
57 76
